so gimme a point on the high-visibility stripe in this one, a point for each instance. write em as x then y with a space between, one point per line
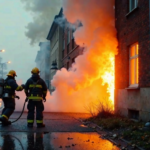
5 116
35 97
19 88
7 87
30 121
32 86
39 121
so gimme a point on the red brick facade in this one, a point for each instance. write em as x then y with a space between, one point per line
132 27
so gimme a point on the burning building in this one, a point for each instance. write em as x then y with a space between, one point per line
132 69
70 49
55 38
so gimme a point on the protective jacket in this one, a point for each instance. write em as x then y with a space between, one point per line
10 86
35 88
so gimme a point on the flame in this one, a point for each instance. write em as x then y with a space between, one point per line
90 81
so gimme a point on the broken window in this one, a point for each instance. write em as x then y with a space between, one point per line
132 4
133 62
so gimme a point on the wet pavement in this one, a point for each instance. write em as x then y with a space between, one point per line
53 141
63 131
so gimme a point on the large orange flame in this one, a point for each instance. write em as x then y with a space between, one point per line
91 79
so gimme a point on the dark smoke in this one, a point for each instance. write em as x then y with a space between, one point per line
43 12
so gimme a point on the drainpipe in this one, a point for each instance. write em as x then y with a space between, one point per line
149 20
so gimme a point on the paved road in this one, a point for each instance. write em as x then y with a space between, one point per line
62 131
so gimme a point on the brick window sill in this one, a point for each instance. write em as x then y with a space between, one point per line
133 88
128 14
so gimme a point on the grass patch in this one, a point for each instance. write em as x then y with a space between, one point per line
125 128
130 130
141 138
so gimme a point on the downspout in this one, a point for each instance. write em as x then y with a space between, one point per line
149 22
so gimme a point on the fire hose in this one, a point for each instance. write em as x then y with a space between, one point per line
21 111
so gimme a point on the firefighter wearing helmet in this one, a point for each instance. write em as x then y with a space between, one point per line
10 86
36 90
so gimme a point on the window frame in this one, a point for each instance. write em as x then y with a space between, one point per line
136 69
130 5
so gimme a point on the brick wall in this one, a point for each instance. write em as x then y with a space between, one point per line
132 28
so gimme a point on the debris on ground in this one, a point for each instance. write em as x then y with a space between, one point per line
118 128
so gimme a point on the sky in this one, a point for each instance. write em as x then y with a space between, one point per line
17 39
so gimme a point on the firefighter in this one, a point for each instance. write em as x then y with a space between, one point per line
10 86
36 90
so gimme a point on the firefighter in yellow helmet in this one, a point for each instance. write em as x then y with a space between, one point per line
10 86
36 90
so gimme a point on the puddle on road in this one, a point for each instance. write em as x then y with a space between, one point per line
80 141
53 141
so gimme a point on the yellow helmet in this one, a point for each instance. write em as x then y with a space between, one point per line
35 70
11 73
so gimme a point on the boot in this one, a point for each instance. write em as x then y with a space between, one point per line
40 125
30 125
4 121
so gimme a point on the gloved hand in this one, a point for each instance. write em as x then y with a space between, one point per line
44 99
26 100
23 85
17 97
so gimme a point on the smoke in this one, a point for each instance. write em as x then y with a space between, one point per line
62 22
43 13
91 79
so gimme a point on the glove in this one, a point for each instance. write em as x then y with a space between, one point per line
26 100
17 97
23 86
44 100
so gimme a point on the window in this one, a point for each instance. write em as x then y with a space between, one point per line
63 54
72 43
132 4
73 30
73 60
67 48
133 114
64 44
133 62
67 65
68 37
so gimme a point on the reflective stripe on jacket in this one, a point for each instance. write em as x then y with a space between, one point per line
35 88
10 86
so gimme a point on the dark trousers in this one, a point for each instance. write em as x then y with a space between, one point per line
9 107
39 111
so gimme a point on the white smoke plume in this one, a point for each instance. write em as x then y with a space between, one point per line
43 12
62 22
